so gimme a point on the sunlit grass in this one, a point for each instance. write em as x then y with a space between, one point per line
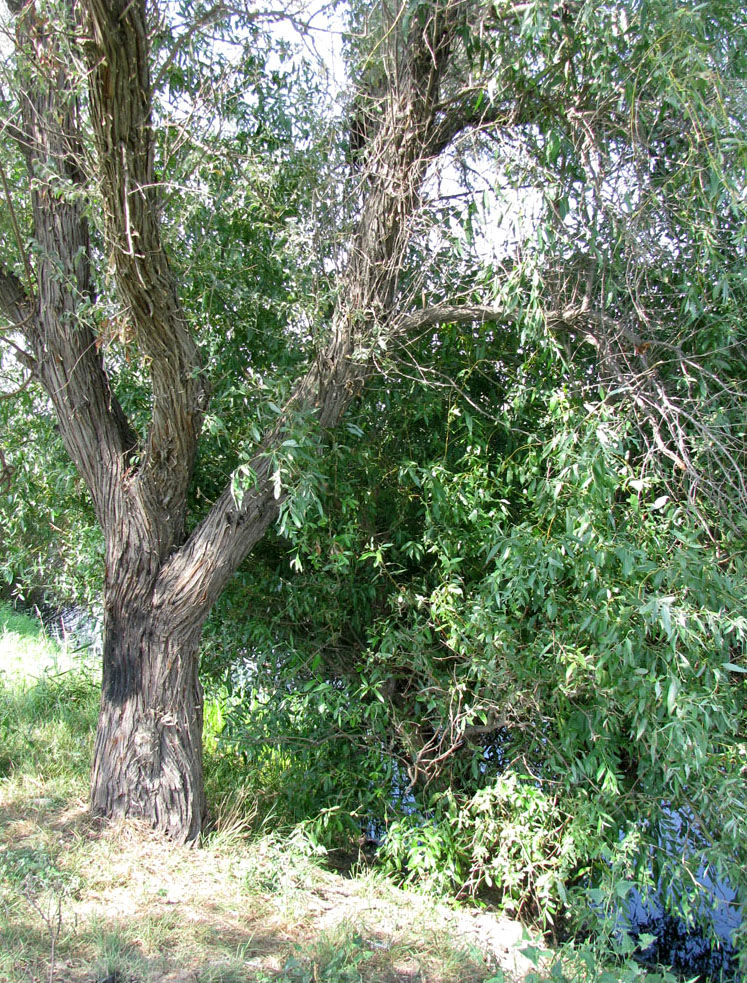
47 716
85 900
28 653
25 649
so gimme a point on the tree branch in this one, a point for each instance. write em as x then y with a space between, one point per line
392 174
120 92
18 311
66 361
445 314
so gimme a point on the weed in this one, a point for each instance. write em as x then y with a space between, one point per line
231 971
281 866
118 959
337 957
35 876
233 819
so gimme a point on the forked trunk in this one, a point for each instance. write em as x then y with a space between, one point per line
159 588
148 753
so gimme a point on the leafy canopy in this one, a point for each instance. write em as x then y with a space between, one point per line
501 614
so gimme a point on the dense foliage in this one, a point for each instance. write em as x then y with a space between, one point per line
516 643
501 617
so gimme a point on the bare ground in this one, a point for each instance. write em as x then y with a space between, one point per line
122 906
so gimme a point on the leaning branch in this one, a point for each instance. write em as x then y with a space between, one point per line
431 317
55 322
120 90
392 173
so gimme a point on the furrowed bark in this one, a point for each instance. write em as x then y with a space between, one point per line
67 362
148 753
120 93
147 758
158 588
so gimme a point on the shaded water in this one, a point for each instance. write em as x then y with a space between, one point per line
701 947
687 949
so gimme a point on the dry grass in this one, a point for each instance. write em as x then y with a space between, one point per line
86 902
134 908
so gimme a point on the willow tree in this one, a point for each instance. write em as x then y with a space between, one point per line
160 584
544 86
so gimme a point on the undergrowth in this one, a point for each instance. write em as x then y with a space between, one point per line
116 903
82 900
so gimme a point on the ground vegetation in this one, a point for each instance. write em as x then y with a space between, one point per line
419 417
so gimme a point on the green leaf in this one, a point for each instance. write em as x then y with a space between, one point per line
672 695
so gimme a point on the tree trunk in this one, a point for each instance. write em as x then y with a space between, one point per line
159 589
148 752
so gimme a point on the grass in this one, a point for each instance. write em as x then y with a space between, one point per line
48 709
26 652
84 901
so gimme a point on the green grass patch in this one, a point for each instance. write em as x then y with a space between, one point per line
339 956
117 957
25 649
46 728
27 652
47 713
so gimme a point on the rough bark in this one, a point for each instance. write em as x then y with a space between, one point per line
147 758
121 114
148 751
160 588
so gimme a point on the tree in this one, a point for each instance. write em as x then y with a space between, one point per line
159 583
545 84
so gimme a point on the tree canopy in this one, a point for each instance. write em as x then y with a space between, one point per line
431 387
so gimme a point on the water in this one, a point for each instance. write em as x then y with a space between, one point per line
75 627
703 947
686 948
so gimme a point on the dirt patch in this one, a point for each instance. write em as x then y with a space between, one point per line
141 910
